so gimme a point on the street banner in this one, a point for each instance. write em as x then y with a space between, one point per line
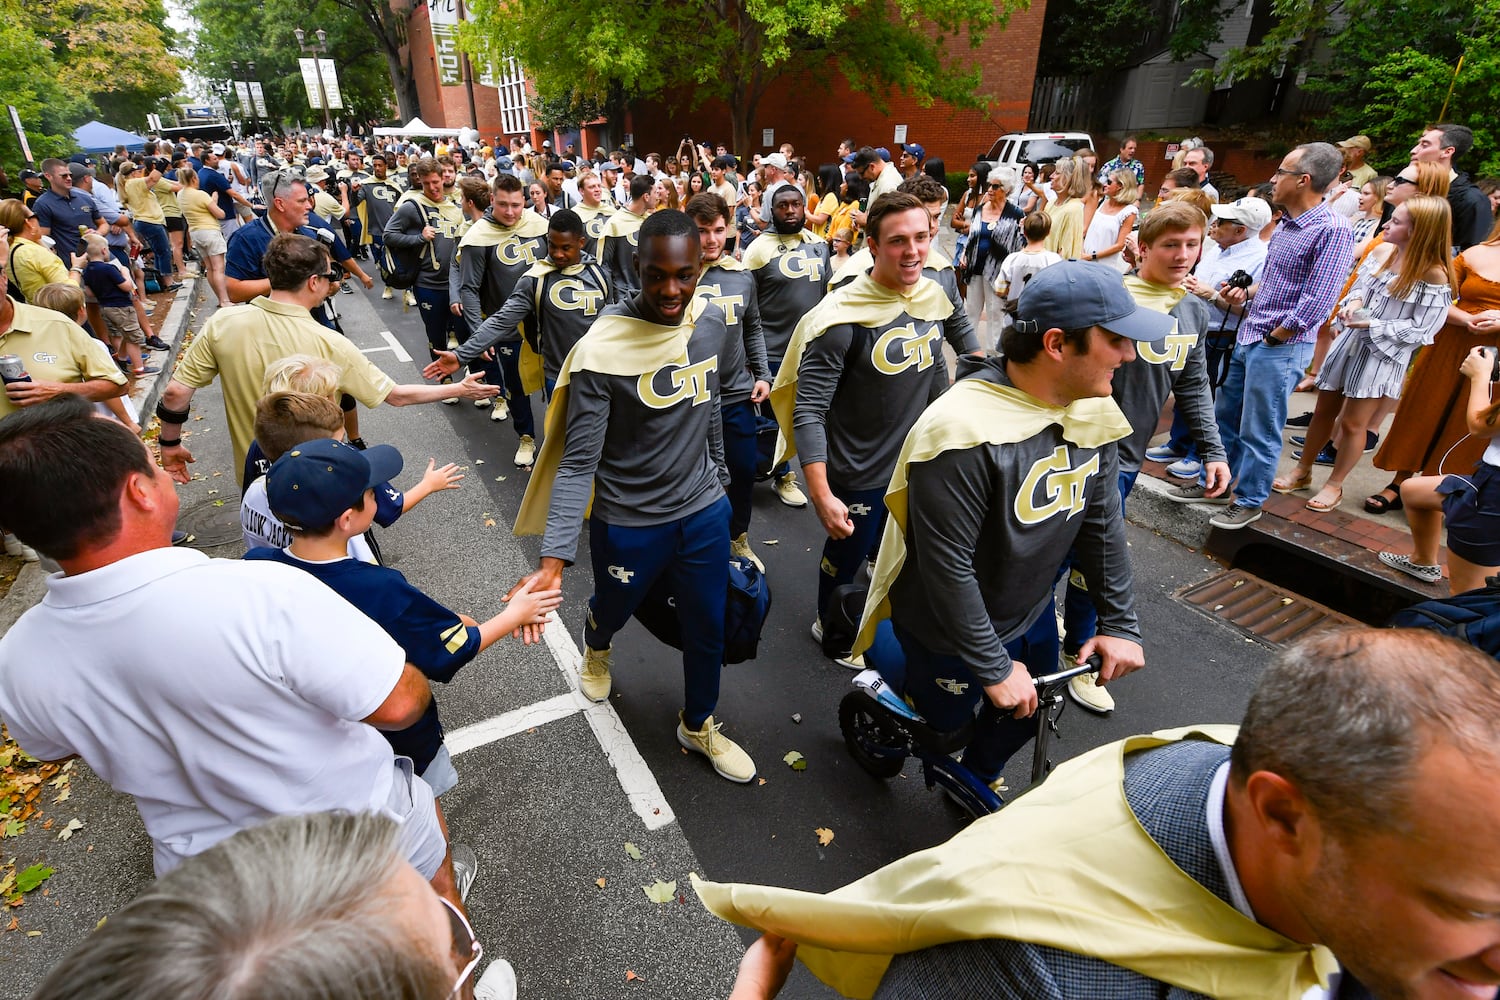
330 83
259 97
443 17
15 123
242 92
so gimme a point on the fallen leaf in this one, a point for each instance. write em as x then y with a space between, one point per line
599 882
499 479
630 976
478 461
770 541
32 877
217 474
14 828
633 851
795 761
761 781
825 836
218 503
213 493
1285 601
66 833
489 522
660 892
1237 584
797 718
33 933
14 925
63 796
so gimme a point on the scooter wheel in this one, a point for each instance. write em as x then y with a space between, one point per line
876 745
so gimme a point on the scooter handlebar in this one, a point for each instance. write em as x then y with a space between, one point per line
1089 666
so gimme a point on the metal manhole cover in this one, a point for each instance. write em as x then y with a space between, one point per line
210 525
1260 610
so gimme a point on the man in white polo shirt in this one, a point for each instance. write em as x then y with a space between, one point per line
267 695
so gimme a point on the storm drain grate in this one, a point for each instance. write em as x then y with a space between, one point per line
1260 610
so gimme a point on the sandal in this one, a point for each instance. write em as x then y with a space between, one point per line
1323 508
1291 485
1380 503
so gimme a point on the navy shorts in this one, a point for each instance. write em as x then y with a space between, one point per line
1471 510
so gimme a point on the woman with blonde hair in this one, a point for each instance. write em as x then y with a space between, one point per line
1072 184
28 264
1113 220
202 212
1399 300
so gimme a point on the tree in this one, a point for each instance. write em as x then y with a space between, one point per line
1083 37
115 51
30 79
735 49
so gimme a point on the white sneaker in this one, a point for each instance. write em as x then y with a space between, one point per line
497 983
389 293
483 404
593 676
1187 468
526 452
741 547
727 757
1085 690
1162 453
15 547
465 868
409 299
500 409
787 491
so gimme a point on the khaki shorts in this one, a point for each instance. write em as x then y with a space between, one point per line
210 242
121 321
411 803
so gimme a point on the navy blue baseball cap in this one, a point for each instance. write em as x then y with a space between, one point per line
1077 294
315 482
885 154
849 158
914 149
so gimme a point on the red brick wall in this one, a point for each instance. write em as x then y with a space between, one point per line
814 117
1248 167
446 107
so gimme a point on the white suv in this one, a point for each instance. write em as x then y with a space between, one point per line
1016 148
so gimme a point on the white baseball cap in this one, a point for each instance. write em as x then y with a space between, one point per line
1252 213
774 160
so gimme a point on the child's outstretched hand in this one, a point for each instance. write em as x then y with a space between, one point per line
530 609
446 478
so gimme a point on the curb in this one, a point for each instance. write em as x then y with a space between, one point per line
26 591
1148 507
179 313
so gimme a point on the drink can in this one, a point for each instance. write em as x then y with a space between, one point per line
13 369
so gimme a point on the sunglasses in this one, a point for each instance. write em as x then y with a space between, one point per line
1398 181
333 277
997 187
466 946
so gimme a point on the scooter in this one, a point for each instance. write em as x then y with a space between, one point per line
881 730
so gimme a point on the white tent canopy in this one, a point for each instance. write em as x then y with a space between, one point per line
417 127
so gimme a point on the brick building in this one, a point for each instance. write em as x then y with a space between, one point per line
1007 63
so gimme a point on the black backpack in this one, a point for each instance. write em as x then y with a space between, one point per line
746 606
1472 617
400 268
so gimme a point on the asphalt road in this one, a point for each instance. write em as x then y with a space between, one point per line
551 790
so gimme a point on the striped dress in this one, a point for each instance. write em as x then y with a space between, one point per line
1368 363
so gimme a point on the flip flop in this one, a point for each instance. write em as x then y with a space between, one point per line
1380 503
1324 508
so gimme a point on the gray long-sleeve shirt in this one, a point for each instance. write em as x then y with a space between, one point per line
1176 364
650 446
617 254
489 273
569 305
404 232
987 527
958 330
791 276
860 390
742 362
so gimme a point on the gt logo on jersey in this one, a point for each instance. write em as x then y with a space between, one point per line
573 295
800 264
902 347
859 509
1174 350
688 382
950 685
621 573
1061 487
729 303
595 226
516 252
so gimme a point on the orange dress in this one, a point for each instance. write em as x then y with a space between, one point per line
1432 416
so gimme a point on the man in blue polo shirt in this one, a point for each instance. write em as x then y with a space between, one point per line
211 180
288 210
60 211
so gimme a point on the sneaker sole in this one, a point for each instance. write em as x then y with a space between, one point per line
1234 527
1206 501
1073 696
688 744
789 503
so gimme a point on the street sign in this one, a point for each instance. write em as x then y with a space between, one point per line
768 137
15 123
900 135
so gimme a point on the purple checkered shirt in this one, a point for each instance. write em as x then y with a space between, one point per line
1307 263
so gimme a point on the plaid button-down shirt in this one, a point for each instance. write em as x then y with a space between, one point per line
1307 263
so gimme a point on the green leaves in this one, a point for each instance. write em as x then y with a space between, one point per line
30 878
795 761
660 892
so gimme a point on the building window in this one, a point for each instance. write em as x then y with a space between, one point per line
515 116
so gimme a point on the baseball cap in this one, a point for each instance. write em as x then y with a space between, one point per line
315 482
774 160
883 153
27 175
567 165
78 170
217 149
1076 294
1250 212
546 143
849 158
914 149
1356 142
82 158
503 162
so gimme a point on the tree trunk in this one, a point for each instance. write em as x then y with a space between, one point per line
408 104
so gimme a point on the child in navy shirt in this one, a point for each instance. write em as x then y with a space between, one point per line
112 289
323 491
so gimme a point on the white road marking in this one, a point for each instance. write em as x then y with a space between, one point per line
635 777
392 344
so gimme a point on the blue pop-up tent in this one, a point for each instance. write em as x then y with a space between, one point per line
97 137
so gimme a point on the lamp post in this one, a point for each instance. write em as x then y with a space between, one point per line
315 51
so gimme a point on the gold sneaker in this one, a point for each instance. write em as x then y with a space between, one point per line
526 452
593 676
741 547
787 491
1085 690
724 753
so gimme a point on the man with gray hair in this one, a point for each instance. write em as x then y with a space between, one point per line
1335 848
318 905
1198 160
1307 262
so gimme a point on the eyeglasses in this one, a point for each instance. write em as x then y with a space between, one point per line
333 277
466 946
1291 173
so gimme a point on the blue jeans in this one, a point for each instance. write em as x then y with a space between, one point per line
740 455
767 432
1181 439
155 237
1080 617
1251 410
695 551
947 693
508 355
842 556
